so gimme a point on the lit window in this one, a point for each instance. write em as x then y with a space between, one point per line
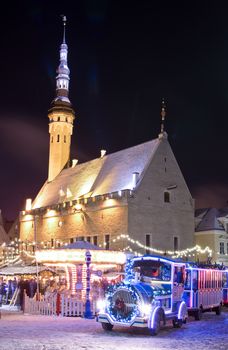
221 248
166 197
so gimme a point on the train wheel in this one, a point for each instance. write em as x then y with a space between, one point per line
177 323
107 326
218 310
157 325
198 315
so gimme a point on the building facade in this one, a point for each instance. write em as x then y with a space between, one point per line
131 199
212 230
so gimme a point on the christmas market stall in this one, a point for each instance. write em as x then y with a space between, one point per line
105 268
15 279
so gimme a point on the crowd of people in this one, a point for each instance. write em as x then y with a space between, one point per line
7 289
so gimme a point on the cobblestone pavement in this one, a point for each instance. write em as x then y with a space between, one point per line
27 332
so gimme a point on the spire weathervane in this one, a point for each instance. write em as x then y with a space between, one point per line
163 114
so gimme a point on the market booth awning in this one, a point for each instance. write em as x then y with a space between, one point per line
23 270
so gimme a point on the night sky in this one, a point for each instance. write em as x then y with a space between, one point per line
124 57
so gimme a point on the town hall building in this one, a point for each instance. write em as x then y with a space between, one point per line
132 199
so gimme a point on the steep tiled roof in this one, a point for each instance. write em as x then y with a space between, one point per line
209 219
104 175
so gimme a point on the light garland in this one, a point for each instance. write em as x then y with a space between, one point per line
177 254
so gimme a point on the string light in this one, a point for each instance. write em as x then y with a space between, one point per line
177 253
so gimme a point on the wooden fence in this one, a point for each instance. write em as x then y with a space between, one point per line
57 305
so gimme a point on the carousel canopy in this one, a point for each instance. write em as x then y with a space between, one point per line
81 245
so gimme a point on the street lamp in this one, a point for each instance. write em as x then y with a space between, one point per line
88 313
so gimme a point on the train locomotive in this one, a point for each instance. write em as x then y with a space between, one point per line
150 294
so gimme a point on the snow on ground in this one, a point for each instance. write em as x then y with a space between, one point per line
29 332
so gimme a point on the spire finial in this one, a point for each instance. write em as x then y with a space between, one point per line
163 114
64 27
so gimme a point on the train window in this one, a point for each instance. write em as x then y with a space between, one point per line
194 279
188 279
178 274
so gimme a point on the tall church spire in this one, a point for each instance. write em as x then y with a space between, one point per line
163 134
63 72
61 116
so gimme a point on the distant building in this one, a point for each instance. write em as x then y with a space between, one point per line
4 238
139 191
212 230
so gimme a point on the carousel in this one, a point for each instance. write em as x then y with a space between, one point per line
71 264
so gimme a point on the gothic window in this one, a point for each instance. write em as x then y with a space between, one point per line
147 243
175 244
107 242
166 197
221 248
58 138
95 240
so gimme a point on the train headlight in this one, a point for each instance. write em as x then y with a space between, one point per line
101 304
145 309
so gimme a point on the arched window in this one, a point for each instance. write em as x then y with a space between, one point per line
64 138
166 197
52 139
58 138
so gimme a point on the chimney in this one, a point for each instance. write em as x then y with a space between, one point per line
28 204
74 163
135 177
103 153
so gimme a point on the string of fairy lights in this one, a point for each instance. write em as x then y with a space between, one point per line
15 248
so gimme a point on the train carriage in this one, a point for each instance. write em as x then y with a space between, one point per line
225 288
203 290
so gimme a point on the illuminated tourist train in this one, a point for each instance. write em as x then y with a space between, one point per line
150 295
205 289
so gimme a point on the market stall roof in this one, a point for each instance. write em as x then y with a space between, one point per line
23 270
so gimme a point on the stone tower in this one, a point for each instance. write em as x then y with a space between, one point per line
61 116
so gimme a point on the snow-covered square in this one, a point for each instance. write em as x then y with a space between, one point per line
34 332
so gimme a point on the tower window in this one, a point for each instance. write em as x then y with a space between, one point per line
64 138
58 138
166 197
52 139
